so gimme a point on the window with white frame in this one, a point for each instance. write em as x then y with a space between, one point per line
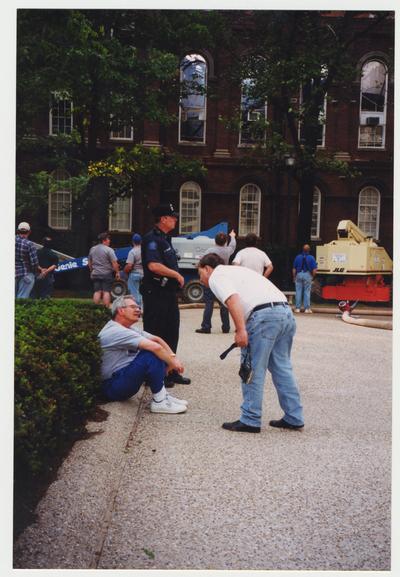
60 202
120 131
369 205
373 96
307 91
120 215
253 112
249 209
60 114
189 208
192 104
316 214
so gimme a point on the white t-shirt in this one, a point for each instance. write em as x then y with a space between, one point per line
252 288
120 346
254 258
135 257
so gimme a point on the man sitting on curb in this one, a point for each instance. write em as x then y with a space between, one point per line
132 357
265 328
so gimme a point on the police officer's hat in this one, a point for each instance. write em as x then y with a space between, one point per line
165 209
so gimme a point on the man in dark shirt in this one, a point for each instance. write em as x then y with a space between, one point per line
161 281
48 261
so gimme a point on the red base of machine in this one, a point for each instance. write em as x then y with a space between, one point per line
368 289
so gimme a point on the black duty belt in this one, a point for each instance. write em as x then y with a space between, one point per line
269 305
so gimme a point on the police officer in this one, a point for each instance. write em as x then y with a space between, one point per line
161 281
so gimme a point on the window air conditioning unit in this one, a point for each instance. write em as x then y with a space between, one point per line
372 120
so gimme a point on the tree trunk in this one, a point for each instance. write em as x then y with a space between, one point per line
306 191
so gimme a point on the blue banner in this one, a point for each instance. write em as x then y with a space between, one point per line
122 253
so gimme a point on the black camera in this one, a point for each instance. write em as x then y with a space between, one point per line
245 371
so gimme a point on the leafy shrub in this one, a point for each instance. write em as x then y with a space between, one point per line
57 379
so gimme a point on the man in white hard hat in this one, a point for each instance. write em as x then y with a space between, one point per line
26 262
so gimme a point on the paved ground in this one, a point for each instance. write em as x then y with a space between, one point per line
178 492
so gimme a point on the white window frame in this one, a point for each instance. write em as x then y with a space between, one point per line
316 203
116 134
203 109
243 228
59 97
256 111
125 128
378 211
53 202
381 115
189 186
113 226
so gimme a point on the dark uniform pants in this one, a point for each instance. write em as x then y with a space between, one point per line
161 314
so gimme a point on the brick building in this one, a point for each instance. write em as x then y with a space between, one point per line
254 198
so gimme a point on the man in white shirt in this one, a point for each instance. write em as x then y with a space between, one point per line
132 357
254 258
265 328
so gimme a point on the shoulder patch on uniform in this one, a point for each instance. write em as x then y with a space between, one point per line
152 245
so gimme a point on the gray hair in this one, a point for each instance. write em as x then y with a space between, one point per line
119 303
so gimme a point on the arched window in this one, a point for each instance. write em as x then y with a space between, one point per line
192 104
253 112
189 208
249 209
373 95
316 214
120 215
60 201
369 204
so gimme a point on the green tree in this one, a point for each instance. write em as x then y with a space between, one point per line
283 52
119 67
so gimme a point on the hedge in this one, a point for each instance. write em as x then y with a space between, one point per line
57 379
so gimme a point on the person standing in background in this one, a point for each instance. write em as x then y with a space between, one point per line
102 263
254 258
48 261
304 271
224 247
134 269
26 262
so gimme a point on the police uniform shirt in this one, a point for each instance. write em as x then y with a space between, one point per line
157 247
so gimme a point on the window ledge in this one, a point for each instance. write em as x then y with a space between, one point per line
184 143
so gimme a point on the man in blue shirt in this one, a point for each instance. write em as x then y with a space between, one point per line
304 270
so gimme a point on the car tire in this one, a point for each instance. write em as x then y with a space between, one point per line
119 288
193 292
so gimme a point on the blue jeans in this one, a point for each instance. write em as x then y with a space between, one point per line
271 332
209 299
24 285
126 382
303 284
134 279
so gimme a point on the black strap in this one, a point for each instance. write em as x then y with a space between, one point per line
225 353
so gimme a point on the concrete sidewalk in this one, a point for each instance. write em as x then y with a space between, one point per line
178 492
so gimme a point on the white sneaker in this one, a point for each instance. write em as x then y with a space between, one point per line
177 401
308 311
167 406
296 310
